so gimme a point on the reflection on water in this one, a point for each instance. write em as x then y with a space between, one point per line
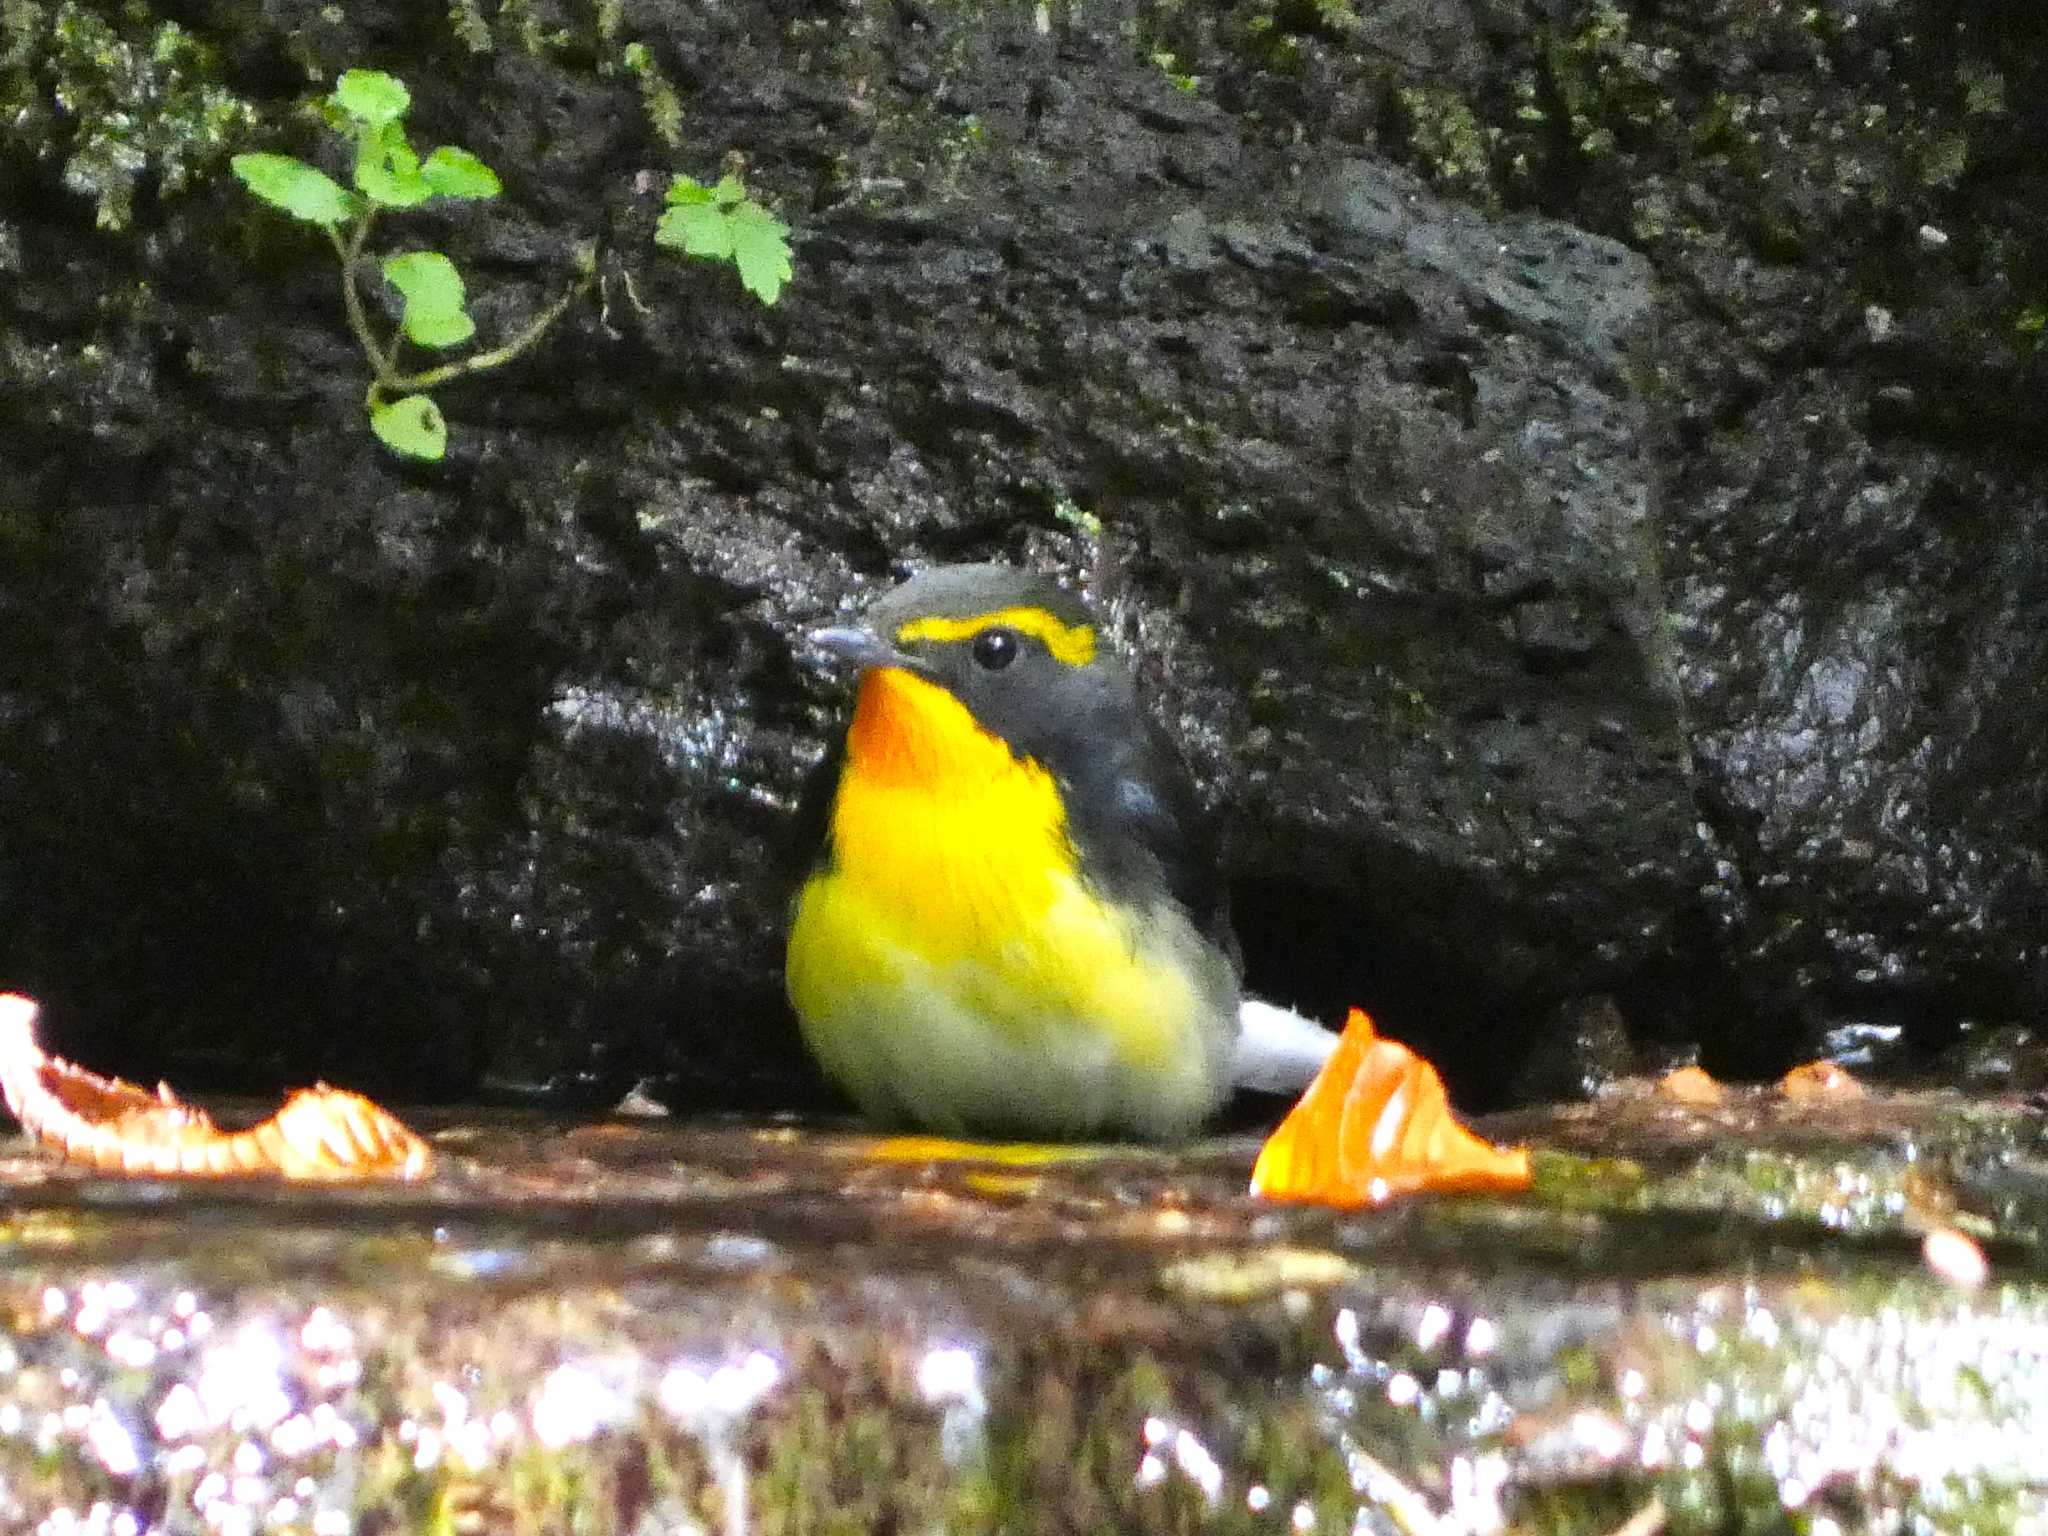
717 1330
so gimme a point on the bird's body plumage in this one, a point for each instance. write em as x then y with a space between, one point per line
1013 922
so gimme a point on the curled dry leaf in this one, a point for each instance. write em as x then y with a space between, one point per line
1819 1080
1690 1085
320 1132
1375 1123
1956 1257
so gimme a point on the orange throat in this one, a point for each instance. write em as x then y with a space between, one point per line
933 812
911 735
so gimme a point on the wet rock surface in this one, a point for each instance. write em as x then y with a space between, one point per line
1725 1311
1566 474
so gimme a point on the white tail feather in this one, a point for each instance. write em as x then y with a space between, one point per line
1278 1050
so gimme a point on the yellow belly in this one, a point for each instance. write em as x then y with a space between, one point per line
1068 1029
950 969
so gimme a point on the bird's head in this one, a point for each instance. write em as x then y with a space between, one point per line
1000 650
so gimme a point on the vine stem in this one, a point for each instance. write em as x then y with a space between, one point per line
498 356
384 364
351 252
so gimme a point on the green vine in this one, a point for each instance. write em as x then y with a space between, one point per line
368 107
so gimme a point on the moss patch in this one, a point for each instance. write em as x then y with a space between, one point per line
121 104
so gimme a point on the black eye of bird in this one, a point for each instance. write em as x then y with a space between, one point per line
995 649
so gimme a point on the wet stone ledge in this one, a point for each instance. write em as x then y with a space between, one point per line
1702 1319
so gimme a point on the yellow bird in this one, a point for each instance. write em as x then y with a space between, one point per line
1015 923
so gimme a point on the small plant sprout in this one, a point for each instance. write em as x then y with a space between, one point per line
368 108
723 224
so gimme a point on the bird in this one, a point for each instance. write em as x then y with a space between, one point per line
1013 919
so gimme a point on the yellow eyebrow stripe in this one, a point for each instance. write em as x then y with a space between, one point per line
1073 644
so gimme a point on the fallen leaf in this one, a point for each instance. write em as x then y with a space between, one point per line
1819 1080
1375 1123
1956 1257
320 1132
1690 1085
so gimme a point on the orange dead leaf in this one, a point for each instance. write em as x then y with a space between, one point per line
1691 1085
1376 1123
1819 1080
1956 1257
320 1132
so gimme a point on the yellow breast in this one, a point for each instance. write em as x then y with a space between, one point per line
951 967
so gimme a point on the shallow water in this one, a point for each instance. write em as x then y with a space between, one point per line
645 1327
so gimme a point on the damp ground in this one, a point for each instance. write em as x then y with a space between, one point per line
1755 1315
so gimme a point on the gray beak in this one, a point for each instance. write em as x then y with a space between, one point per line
862 647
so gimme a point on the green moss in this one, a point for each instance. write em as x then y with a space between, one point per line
21 24
657 95
471 25
1337 15
1587 1183
1945 160
957 144
1983 88
840 1467
517 19
1076 516
525 22
1581 1509
1269 45
1610 84
1716 130
1448 139
1175 77
139 99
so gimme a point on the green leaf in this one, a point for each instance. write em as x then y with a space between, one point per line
760 249
413 426
697 229
300 190
387 170
370 96
686 190
721 223
454 172
434 316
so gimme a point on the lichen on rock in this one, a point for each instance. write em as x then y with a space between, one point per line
121 102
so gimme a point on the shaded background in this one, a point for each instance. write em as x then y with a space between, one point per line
1572 474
